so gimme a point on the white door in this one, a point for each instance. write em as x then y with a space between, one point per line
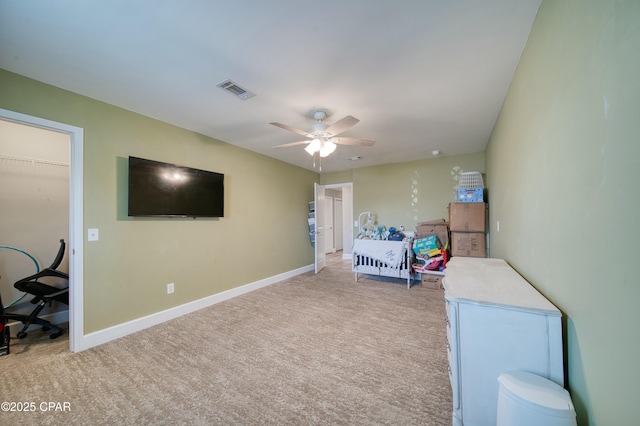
318 198
329 237
337 223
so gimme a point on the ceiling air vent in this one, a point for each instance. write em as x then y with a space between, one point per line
235 90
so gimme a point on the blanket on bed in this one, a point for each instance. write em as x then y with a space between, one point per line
389 252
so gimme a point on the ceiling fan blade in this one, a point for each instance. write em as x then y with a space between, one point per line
353 141
287 145
291 129
341 125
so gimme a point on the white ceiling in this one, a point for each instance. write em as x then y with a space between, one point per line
421 75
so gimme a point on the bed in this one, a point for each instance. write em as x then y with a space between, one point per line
382 258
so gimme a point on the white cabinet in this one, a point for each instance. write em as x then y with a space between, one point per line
496 322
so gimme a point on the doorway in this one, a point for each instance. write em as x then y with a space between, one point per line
344 192
75 223
34 189
342 212
333 221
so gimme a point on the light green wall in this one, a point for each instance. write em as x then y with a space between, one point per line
264 231
563 168
407 193
337 177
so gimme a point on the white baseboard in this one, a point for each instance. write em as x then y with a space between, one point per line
103 336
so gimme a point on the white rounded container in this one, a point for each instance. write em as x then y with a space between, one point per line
526 399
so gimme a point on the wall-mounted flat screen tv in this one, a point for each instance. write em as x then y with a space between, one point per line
163 189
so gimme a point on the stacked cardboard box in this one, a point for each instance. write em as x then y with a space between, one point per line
467 222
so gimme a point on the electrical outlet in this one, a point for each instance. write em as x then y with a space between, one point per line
169 288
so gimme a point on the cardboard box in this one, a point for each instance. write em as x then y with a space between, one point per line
468 244
433 222
467 217
432 281
439 227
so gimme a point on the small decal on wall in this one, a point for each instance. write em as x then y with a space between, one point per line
414 195
456 171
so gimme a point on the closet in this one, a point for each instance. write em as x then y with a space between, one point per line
35 193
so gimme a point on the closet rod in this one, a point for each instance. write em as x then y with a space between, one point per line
33 160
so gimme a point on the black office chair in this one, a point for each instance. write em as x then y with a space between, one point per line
44 293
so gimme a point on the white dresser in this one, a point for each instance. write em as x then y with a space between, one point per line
496 322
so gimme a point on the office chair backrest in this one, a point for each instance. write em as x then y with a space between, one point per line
59 256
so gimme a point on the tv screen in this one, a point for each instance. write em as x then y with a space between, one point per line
163 189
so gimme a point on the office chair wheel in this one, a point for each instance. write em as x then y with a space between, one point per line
21 334
55 335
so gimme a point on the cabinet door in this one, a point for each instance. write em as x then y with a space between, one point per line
493 340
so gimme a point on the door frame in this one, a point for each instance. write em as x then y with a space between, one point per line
76 249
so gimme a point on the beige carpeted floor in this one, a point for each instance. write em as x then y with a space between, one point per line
309 350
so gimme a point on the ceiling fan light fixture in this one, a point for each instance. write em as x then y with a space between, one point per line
323 136
314 146
327 148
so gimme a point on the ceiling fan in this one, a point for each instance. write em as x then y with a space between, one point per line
323 137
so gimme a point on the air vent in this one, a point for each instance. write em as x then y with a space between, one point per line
235 90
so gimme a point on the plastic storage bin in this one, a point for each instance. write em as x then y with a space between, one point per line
475 195
470 180
526 399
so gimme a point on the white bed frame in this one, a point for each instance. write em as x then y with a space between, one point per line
363 264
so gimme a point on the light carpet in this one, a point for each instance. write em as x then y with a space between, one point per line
314 349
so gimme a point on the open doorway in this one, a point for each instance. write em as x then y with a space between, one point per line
34 189
72 138
340 210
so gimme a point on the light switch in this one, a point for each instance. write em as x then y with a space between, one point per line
92 234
